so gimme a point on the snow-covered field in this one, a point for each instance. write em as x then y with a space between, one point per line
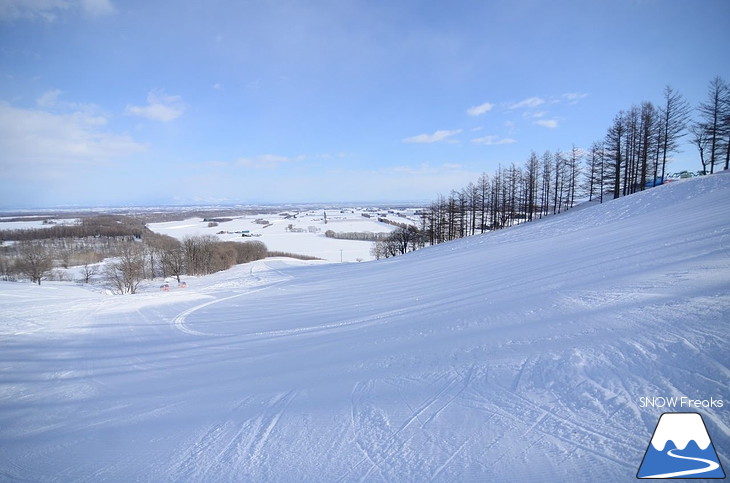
18 223
303 234
520 355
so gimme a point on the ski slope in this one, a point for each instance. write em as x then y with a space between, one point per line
520 355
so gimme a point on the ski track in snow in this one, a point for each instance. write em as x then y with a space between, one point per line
382 445
261 283
516 356
232 450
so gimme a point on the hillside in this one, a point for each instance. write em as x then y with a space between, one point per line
520 355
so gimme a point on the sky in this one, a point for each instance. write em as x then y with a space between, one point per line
144 102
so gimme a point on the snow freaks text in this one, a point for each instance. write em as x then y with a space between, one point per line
679 402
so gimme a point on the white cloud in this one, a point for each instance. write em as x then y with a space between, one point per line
493 140
530 102
441 135
266 161
48 98
480 109
34 141
574 97
44 9
49 10
549 123
98 8
160 107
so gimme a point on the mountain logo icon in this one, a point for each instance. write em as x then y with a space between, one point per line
680 448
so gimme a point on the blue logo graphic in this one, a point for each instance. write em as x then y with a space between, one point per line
680 448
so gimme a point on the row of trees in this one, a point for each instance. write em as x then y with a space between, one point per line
398 242
631 157
545 184
196 255
101 226
36 259
356 235
132 251
639 143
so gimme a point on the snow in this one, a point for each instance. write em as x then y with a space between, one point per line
308 237
519 355
20 224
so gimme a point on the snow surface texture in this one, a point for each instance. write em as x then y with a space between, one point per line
520 355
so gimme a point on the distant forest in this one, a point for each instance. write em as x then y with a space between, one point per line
133 253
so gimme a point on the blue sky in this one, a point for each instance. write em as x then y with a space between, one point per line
111 102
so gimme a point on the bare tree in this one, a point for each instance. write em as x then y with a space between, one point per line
573 165
546 185
559 181
173 260
224 256
673 118
483 187
714 114
700 138
6 267
87 271
250 251
378 250
34 261
532 174
166 252
199 254
403 239
614 145
647 129
128 271
594 180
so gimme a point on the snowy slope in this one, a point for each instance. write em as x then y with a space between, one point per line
515 356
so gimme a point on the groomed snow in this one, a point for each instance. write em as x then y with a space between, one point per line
515 356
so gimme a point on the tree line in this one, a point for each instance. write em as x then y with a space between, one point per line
631 157
133 253
108 226
195 255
